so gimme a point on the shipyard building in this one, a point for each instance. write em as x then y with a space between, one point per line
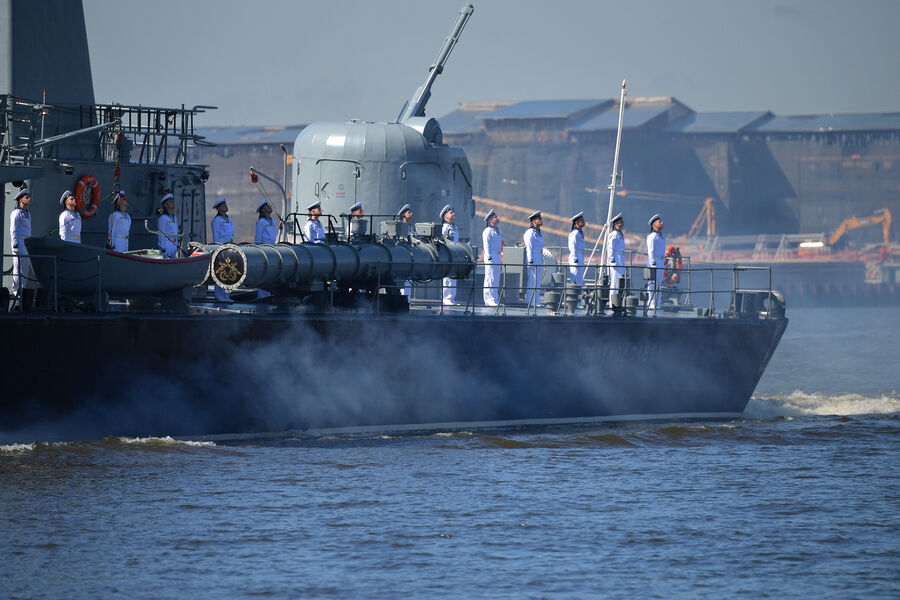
765 173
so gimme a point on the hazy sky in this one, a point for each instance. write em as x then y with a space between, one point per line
296 61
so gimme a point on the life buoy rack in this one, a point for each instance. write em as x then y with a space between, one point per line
88 183
672 274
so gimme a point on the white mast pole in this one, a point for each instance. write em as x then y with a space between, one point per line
615 173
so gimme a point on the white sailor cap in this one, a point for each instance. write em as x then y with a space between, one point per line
403 209
488 216
654 218
578 216
218 202
315 204
22 192
357 206
618 217
167 196
445 210
261 204
535 215
65 194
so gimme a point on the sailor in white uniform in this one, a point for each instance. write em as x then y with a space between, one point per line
119 225
534 257
19 229
576 250
356 212
167 240
266 232
492 240
405 214
449 231
615 253
222 233
313 230
69 219
656 258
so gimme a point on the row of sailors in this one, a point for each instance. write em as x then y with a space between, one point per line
492 242
119 228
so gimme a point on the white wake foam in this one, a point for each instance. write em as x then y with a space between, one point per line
800 404
16 448
163 441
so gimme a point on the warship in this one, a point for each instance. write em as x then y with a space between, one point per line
352 334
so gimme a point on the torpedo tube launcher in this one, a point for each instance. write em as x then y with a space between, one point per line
294 268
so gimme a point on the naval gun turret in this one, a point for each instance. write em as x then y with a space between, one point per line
386 165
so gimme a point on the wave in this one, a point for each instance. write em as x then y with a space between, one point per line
108 442
800 403
157 442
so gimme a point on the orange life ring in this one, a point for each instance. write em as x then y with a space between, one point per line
671 275
89 183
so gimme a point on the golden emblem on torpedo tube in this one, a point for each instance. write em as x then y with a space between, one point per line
228 267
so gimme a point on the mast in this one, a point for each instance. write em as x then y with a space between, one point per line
613 186
616 179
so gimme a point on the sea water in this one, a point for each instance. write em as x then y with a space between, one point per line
799 498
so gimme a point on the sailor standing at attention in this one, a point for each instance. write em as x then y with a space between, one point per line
266 229
356 212
615 254
222 233
266 232
313 229
450 232
405 215
534 257
656 259
167 240
69 219
19 229
119 224
492 240
576 250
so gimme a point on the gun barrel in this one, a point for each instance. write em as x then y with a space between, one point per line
416 106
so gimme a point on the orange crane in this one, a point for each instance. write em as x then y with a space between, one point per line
708 214
882 215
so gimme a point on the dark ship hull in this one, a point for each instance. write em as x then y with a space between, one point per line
154 374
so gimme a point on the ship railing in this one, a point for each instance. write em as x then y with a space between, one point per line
143 134
20 121
718 291
162 135
31 281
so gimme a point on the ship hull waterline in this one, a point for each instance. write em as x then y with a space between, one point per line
156 374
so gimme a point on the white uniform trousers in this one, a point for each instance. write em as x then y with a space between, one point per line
22 275
654 289
491 284
449 295
615 274
533 292
576 271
